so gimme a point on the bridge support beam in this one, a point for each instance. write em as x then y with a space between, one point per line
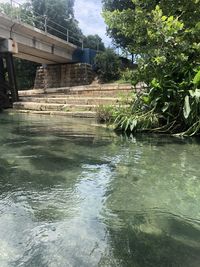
8 84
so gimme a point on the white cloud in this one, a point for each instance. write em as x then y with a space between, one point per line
14 1
88 13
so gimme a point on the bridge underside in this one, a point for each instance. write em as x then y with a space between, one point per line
38 56
41 57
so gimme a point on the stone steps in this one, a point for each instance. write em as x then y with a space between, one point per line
52 107
60 99
70 114
78 101
104 90
88 94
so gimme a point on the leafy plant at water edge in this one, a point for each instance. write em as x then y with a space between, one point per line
121 115
105 113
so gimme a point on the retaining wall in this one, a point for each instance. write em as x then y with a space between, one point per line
64 75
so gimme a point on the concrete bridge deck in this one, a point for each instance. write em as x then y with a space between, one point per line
35 45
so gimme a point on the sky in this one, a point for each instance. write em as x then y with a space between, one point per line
88 13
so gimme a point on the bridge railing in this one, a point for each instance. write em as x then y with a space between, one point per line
24 14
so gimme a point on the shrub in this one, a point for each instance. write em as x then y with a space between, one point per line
107 65
167 38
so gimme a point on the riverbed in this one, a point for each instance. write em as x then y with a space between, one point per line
76 194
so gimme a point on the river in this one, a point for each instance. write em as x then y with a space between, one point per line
77 195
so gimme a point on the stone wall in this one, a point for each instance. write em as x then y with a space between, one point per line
64 75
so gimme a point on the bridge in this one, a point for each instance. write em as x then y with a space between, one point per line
20 40
28 42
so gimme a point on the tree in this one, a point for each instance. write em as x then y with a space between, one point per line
25 73
60 18
94 42
107 65
21 12
119 39
166 35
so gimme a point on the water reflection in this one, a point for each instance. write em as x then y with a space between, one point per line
140 242
76 195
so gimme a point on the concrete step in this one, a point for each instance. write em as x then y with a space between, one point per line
101 93
52 107
86 93
101 90
60 99
79 101
70 114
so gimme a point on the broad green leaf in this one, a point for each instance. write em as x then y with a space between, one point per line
146 99
196 80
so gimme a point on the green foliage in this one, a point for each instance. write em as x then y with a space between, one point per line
104 113
108 113
6 9
25 73
112 5
107 65
62 13
22 12
196 80
123 118
94 42
128 75
135 122
166 35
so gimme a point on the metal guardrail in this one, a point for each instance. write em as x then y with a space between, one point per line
17 11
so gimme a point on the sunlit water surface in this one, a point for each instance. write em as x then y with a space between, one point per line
72 194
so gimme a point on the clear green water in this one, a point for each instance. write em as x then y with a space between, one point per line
77 195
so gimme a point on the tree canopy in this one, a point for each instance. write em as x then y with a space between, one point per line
119 39
94 42
127 20
58 13
107 65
